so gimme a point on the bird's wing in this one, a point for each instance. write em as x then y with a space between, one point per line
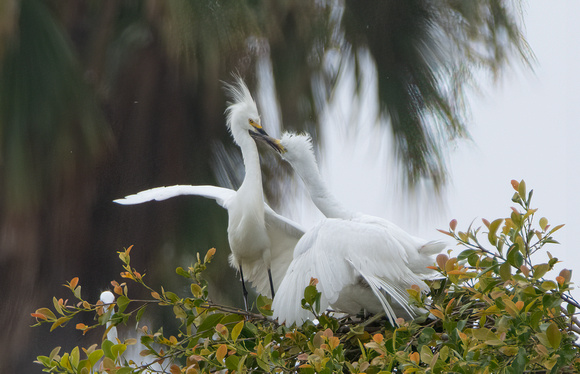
219 194
283 232
280 222
338 253
419 252
322 253
432 248
287 307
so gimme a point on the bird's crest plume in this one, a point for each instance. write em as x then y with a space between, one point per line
297 143
240 97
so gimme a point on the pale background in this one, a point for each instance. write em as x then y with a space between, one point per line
525 126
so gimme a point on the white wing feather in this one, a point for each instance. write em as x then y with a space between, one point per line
340 254
283 232
219 194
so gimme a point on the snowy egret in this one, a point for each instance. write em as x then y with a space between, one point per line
360 261
108 299
261 240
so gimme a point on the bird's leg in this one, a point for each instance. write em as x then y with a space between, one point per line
244 290
271 283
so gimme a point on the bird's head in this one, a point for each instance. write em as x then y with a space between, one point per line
296 147
242 114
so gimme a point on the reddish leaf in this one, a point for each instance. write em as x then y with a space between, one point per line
442 260
453 224
73 283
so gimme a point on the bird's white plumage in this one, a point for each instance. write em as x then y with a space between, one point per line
108 299
360 261
219 194
259 238
284 232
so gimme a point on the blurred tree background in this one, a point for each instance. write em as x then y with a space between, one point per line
103 98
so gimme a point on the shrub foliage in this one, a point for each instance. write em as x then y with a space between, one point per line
492 310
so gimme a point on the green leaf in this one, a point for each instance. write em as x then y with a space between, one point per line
426 354
473 259
124 370
44 360
236 332
485 335
505 271
554 335
555 229
146 340
549 285
77 292
232 362
122 303
210 322
74 357
182 272
540 270
65 362
84 366
310 293
522 189
54 352
140 314
465 254
231 319
543 223
516 219
519 363
109 364
47 312
196 290
117 350
95 356
179 312
492 235
264 305
106 347
171 296
515 257
263 365
57 306
59 322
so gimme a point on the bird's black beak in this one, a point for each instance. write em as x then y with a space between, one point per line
261 135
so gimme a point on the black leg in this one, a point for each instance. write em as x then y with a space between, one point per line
271 283
244 291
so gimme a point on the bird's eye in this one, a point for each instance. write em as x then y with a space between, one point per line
254 124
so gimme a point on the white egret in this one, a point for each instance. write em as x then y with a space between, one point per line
360 261
108 299
261 241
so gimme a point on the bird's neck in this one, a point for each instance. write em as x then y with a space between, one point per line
319 192
253 178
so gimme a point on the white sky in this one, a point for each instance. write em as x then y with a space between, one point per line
525 127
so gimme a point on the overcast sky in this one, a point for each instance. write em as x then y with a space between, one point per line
527 128
523 127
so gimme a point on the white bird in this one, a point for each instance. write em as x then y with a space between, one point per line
108 299
261 240
360 261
